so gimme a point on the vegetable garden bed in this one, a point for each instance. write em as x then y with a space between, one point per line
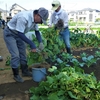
85 48
63 85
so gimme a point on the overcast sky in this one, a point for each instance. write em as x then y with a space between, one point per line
66 4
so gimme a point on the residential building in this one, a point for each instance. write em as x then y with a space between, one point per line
15 9
86 15
3 14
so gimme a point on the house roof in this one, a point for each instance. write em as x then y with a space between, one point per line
17 5
72 12
85 9
1 10
90 9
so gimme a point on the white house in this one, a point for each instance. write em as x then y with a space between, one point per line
3 14
15 9
86 15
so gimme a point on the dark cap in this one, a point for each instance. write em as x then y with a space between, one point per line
44 14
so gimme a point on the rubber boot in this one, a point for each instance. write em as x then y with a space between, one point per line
25 71
68 50
16 75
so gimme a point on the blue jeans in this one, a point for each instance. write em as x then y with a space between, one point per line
0 24
65 35
16 47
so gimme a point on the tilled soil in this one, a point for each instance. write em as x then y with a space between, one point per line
11 90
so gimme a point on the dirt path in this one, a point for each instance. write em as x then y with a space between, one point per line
6 74
10 89
3 50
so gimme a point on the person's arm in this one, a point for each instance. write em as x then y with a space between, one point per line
25 39
38 36
65 19
50 21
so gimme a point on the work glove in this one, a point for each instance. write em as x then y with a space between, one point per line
38 50
59 25
41 46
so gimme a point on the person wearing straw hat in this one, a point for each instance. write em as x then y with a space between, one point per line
59 18
15 38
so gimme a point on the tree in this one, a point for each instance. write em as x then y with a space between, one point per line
97 19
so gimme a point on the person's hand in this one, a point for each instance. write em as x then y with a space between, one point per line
41 46
49 26
34 50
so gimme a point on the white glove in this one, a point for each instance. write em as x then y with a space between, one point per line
38 50
41 46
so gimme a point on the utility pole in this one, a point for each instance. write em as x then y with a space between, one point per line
6 10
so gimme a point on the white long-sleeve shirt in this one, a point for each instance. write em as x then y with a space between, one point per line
23 22
62 14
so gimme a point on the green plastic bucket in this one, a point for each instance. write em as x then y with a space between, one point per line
38 74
